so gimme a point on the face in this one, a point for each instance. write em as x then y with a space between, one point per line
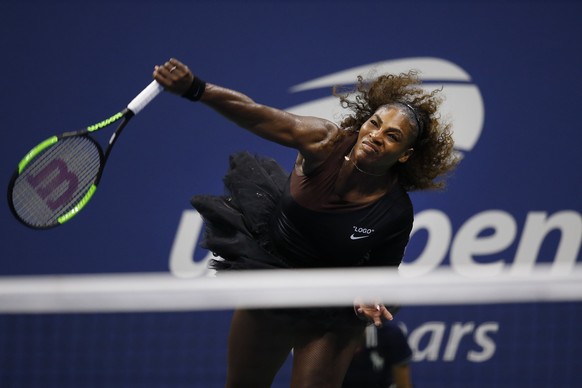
384 140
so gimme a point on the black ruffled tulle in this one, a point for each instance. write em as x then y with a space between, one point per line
237 230
237 224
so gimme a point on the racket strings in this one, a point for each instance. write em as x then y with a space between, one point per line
56 181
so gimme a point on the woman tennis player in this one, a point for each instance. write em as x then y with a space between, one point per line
345 204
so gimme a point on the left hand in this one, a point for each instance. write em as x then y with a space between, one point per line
373 312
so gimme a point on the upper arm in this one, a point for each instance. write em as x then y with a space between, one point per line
311 136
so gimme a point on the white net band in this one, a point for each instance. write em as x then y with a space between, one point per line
164 292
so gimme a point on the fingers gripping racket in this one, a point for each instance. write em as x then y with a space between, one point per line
58 177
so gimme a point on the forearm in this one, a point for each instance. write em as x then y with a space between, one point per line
270 123
308 135
401 376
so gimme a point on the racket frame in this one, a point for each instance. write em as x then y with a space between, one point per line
134 107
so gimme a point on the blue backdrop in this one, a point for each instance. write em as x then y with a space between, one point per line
512 74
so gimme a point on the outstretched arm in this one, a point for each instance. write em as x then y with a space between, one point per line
309 135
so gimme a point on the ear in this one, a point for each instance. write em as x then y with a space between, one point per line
407 154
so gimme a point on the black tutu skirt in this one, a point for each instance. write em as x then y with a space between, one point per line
237 223
237 230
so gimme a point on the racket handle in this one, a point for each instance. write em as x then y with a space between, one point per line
145 97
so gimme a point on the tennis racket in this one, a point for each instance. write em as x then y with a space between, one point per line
58 177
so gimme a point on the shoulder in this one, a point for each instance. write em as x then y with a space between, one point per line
319 152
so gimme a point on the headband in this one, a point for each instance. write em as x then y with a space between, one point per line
420 129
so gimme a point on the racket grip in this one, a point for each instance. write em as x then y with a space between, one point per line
145 97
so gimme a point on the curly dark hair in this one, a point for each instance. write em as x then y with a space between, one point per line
433 155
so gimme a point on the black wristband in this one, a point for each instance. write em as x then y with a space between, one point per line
196 90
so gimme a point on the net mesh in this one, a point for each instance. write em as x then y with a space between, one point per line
55 181
153 330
